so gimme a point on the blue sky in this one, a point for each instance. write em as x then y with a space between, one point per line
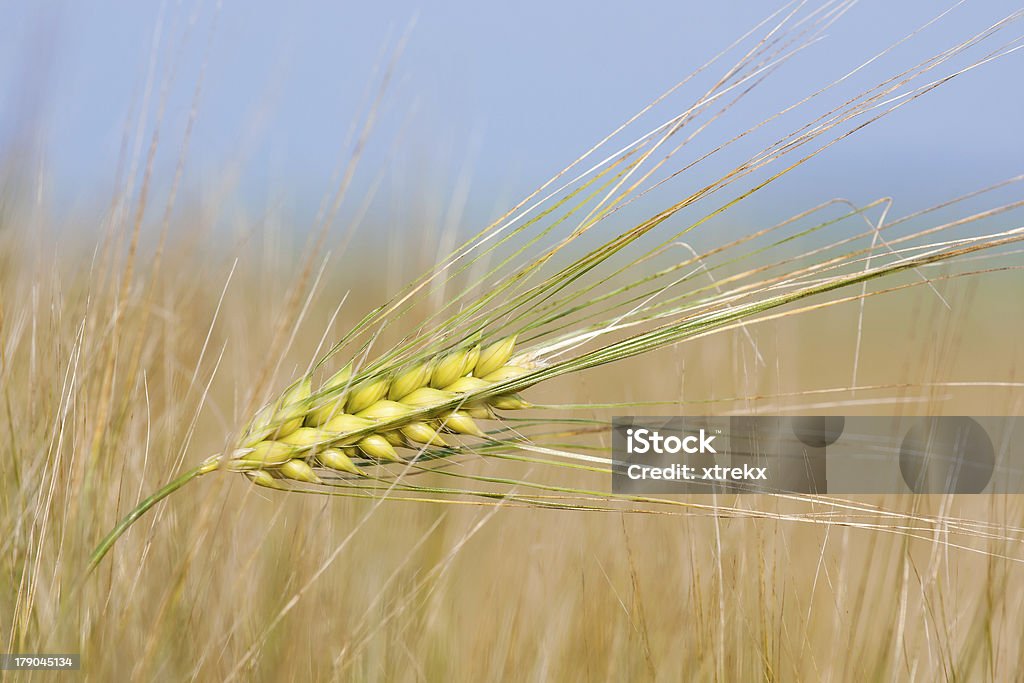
501 93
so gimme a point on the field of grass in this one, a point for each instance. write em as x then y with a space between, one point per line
138 343
230 580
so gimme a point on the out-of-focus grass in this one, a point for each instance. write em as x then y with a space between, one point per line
227 582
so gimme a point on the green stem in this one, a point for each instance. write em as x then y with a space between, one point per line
108 541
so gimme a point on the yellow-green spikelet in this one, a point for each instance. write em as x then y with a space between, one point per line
365 394
281 417
494 357
299 470
453 366
335 406
410 380
336 459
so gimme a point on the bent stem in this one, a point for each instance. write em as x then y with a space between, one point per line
108 541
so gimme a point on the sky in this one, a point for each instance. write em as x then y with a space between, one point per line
481 101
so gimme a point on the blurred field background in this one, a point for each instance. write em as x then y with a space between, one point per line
118 367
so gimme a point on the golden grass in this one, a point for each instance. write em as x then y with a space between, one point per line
119 369
233 582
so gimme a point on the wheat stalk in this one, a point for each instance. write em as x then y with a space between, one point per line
427 399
